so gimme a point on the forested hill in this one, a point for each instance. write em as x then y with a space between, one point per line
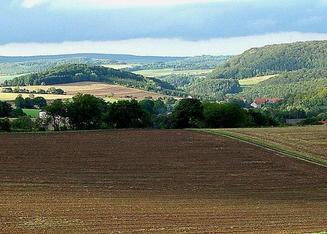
71 73
274 59
191 63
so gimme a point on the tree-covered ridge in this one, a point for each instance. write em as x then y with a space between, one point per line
213 89
71 73
274 59
289 84
191 63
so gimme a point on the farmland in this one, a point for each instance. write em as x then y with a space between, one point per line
12 96
154 182
119 66
309 141
97 89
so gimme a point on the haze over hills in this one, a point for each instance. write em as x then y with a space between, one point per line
28 64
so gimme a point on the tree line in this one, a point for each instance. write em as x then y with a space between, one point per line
87 112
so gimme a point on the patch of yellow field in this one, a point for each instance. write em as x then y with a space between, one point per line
12 96
102 90
119 66
255 80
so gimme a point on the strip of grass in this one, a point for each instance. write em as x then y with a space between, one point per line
268 145
33 113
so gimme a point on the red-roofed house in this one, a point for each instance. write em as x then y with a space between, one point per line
259 102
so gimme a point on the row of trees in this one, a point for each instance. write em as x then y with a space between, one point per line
85 112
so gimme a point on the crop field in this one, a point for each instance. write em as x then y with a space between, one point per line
100 90
310 141
153 181
166 72
254 80
12 96
120 66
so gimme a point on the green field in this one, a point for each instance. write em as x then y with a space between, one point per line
33 113
254 80
168 71
306 143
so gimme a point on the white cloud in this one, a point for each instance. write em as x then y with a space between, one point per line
32 3
109 4
164 47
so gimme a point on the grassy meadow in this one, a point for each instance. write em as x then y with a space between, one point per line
33 113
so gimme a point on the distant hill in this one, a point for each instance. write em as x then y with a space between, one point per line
71 73
125 58
191 63
274 59
29 64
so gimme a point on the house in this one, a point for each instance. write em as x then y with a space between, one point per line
259 102
7 90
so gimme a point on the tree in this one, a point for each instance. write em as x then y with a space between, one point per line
188 113
23 123
40 102
4 125
85 111
20 102
5 109
57 110
127 114
227 115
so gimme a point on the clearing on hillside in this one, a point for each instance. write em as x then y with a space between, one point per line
255 80
154 182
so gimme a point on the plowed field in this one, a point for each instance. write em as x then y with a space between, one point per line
154 182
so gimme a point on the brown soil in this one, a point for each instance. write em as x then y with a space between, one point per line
154 182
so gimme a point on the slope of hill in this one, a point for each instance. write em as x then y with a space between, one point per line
274 59
71 73
290 83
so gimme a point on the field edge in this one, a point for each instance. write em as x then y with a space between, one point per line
267 145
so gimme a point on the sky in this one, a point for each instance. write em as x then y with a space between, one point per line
156 27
